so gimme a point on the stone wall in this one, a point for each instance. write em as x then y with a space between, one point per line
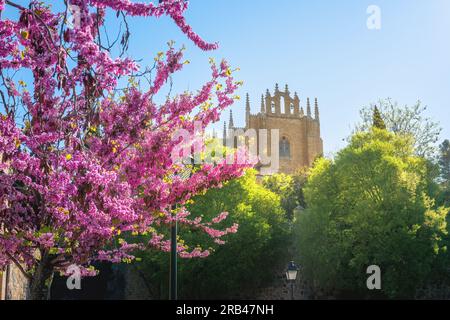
434 292
282 289
2 285
114 282
136 286
16 284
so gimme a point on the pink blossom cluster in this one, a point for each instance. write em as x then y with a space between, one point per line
83 162
172 8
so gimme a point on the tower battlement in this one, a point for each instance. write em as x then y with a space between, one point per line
282 104
298 125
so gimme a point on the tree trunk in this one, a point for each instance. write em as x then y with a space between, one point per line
44 271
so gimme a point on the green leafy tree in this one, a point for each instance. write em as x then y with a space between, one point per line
378 121
406 120
444 162
443 198
249 259
370 207
443 175
289 188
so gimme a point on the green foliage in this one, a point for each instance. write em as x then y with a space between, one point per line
289 188
405 120
444 163
248 259
378 121
443 198
370 206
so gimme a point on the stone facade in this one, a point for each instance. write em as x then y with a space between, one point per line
282 289
2 285
299 131
14 285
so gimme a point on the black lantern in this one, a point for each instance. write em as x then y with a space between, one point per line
292 270
291 276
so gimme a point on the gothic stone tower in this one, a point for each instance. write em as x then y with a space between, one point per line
299 132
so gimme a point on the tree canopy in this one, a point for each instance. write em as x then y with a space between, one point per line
84 158
444 162
249 259
289 188
370 207
406 120
378 121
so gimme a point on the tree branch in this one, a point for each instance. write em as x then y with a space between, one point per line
17 263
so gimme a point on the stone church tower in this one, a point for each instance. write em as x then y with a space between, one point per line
299 131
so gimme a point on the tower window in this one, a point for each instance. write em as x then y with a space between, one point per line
272 107
285 149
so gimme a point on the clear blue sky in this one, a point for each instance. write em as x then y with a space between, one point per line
321 48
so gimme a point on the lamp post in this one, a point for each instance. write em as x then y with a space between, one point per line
291 275
173 258
184 174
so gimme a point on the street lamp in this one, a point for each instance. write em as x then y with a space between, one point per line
291 275
184 174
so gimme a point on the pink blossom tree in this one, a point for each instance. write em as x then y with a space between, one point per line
83 160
